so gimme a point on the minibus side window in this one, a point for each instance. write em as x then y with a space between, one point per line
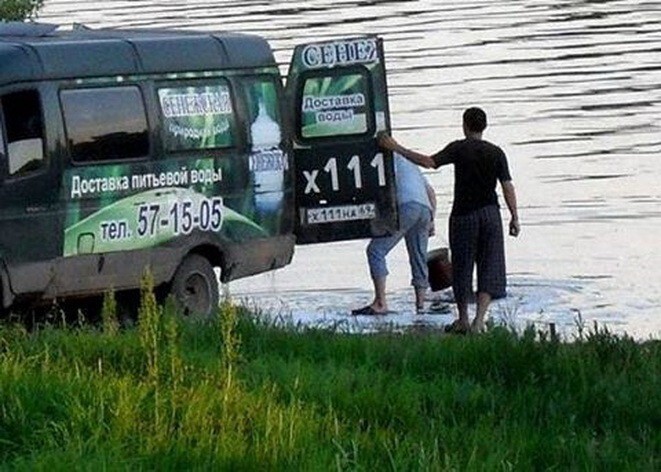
335 103
197 116
104 124
25 134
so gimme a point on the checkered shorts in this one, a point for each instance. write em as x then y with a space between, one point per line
476 239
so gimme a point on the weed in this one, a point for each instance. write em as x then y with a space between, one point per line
109 320
241 393
149 325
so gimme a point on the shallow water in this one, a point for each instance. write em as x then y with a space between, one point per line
573 93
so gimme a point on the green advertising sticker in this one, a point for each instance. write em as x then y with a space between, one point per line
126 207
153 217
334 105
344 84
197 117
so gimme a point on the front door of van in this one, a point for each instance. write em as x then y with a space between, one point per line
30 238
344 184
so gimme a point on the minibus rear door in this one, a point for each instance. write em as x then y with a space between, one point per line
344 184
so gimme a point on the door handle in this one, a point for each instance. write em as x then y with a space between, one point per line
36 209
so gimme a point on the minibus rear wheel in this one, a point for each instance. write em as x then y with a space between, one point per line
195 287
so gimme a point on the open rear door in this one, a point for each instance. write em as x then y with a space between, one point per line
338 102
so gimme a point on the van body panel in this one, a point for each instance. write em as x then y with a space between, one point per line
127 150
24 64
29 279
102 53
94 273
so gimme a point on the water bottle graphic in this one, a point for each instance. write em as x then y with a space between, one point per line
267 162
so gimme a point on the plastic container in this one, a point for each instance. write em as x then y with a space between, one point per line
440 269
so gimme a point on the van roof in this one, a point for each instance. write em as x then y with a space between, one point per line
38 51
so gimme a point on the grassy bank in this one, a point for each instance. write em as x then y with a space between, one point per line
238 394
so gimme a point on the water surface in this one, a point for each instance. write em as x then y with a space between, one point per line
573 93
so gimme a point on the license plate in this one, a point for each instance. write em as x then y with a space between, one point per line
334 214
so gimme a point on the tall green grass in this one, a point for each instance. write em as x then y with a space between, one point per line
236 393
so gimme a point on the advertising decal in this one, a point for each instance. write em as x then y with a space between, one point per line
134 206
342 177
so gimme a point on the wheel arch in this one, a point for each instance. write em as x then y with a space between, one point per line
210 252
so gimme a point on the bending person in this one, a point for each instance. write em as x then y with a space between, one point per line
416 206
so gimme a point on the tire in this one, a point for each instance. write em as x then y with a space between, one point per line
195 287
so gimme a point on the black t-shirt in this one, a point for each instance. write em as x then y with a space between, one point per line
477 166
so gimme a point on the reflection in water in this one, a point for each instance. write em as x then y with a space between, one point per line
573 93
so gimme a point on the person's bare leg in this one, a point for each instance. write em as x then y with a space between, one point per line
420 298
462 307
483 302
379 304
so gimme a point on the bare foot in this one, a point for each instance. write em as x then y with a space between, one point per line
478 326
457 327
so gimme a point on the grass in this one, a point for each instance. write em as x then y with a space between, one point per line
238 393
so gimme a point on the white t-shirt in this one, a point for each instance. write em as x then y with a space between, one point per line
411 184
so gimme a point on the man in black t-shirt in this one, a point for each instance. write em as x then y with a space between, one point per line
476 234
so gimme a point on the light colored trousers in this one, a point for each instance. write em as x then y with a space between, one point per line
415 223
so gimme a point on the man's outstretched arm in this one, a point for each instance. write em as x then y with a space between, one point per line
389 143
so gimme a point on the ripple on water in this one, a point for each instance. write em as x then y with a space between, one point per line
574 97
